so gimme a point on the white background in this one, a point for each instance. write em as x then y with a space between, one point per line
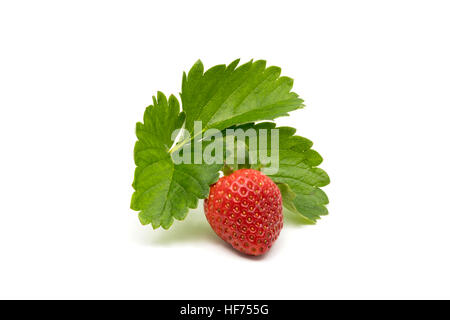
75 77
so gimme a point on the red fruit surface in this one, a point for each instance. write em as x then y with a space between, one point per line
245 209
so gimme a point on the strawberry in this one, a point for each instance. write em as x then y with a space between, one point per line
245 209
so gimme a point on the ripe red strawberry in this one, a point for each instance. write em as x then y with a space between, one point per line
245 209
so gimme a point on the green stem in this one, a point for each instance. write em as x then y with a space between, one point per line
227 170
180 145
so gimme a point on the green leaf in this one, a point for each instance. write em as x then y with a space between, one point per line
287 193
224 96
165 191
297 174
290 211
288 196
